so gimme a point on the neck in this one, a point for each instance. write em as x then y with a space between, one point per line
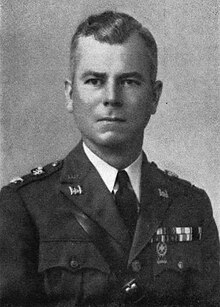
119 156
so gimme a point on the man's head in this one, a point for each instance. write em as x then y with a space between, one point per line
113 28
113 91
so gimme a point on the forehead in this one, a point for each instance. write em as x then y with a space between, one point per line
98 56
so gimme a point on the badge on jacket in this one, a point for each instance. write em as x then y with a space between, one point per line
75 190
161 249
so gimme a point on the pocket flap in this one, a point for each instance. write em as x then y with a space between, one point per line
178 257
71 255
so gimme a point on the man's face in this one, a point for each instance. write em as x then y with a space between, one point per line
112 95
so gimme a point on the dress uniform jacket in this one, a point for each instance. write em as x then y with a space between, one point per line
47 259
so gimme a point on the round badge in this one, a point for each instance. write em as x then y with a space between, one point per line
161 249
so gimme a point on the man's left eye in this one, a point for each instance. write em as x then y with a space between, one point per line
130 82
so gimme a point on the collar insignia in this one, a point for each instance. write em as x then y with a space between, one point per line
16 180
38 171
163 193
75 190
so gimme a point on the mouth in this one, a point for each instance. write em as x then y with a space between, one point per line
111 119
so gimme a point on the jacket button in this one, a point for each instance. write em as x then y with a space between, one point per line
136 266
74 263
180 265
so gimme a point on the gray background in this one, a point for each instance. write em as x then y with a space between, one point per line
184 134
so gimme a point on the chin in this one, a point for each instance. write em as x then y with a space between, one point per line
111 140
114 141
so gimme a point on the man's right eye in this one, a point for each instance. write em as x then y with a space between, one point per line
94 81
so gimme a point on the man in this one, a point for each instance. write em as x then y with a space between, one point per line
105 227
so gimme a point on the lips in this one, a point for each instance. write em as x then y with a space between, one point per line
112 119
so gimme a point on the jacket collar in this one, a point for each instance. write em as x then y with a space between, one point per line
75 166
155 201
93 197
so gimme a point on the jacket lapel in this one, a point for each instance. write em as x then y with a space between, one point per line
82 184
154 203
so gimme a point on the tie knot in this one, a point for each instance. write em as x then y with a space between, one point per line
123 179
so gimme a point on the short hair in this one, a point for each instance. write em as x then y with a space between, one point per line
114 28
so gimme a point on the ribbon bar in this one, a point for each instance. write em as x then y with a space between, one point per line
177 234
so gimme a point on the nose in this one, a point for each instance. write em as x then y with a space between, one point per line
112 95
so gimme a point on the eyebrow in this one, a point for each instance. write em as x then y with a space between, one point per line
91 73
95 74
133 74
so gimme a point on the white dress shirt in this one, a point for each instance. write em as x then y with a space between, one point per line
108 173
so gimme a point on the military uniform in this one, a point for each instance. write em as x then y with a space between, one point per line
47 259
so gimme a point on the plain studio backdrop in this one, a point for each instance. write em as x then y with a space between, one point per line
183 136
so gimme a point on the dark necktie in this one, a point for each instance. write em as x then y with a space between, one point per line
126 201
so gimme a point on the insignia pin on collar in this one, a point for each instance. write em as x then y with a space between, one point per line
75 190
16 180
38 171
163 193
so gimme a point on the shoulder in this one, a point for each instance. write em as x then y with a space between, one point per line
38 174
175 184
28 195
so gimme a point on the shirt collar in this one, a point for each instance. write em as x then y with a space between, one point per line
134 173
108 173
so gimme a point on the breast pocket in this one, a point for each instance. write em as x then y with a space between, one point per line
65 263
178 257
173 266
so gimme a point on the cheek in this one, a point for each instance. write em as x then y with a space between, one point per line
87 94
140 106
140 113
85 109
87 103
142 97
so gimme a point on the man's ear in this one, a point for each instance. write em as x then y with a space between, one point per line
69 95
157 90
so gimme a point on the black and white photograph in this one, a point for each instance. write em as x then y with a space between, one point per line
110 153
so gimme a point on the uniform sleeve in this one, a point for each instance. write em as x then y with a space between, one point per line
206 285
19 282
